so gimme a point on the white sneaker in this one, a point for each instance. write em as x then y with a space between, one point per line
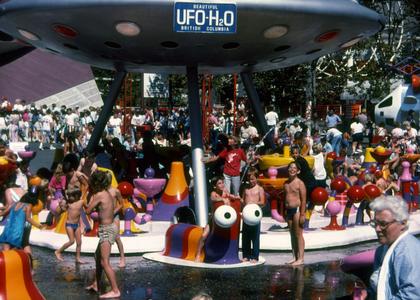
52 147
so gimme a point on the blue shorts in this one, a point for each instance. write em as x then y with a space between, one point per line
72 226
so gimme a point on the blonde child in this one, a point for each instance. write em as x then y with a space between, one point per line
57 183
73 206
253 194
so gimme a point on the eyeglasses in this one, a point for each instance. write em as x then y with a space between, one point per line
381 224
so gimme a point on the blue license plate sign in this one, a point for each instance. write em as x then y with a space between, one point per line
205 17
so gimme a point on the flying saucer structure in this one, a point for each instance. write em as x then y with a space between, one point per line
192 37
165 36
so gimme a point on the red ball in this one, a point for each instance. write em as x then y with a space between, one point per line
378 174
126 189
338 185
332 155
356 193
372 169
319 196
372 191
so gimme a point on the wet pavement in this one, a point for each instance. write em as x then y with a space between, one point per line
320 278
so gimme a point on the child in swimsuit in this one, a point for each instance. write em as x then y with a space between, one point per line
18 227
73 206
116 195
57 184
101 198
253 194
295 192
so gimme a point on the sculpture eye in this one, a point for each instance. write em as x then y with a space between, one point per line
225 216
252 214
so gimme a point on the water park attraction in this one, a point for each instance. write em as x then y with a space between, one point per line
193 38
156 217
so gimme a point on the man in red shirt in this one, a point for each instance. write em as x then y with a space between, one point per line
233 156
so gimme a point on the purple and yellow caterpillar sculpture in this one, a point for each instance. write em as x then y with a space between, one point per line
222 244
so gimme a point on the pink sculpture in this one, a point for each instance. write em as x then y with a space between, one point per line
333 208
409 187
149 187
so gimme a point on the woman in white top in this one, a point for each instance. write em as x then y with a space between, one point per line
381 130
357 129
318 170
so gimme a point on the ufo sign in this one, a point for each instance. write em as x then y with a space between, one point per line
204 17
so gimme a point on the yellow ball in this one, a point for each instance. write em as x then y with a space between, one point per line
3 161
380 150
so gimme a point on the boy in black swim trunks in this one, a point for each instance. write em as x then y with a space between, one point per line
295 192
74 206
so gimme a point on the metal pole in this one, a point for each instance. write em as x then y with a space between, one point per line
106 111
200 181
255 102
235 119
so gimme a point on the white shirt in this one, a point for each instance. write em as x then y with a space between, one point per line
47 122
248 132
319 170
18 107
397 132
115 121
333 132
356 127
21 180
271 117
381 131
94 115
293 129
137 120
412 132
162 143
3 123
71 119
5 104
186 142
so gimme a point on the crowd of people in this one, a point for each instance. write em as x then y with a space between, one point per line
131 143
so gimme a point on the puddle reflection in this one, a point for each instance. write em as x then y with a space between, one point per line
142 279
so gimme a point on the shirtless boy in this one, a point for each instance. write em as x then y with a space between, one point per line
75 179
254 194
295 192
107 232
74 207
117 198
